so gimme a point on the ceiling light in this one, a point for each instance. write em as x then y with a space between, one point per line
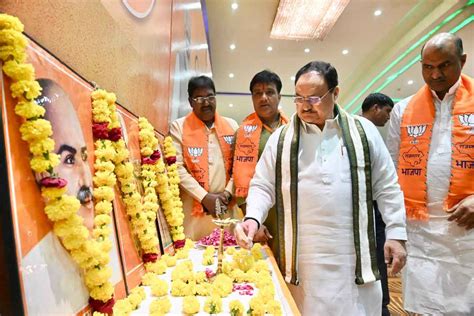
232 46
377 12
345 51
231 105
301 19
292 78
234 6
280 107
231 75
410 82
306 50
269 48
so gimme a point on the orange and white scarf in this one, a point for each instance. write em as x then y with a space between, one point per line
196 150
416 128
246 151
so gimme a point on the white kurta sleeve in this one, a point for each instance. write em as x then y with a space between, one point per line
385 188
261 196
393 134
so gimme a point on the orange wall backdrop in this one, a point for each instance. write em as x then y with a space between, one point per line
128 47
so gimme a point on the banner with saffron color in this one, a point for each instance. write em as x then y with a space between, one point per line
51 282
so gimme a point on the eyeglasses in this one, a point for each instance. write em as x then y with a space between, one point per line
200 100
268 93
313 100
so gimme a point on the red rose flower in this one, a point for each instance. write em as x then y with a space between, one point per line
156 155
100 130
53 182
115 134
102 307
171 160
149 257
179 243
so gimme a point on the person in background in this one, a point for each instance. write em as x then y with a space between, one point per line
376 108
431 141
251 138
323 170
204 142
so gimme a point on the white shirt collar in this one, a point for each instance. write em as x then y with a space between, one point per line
451 90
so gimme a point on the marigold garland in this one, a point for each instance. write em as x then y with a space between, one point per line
60 208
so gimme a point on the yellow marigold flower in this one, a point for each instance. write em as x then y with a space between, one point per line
10 22
200 277
213 305
63 227
99 94
202 289
104 193
124 170
99 314
42 164
103 207
267 292
257 306
171 261
110 98
261 265
209 250
28 89
101 233
158 267
273 307
104 165
182 253
207 260
12 45
35 130
135 299
96 276
148 278
122 307
160 306
159 287
222 285
150 245
106 245
140 291
236 308
257 251
103 292
19 71
179 288
191 305
29 109
151 198
41 146
52 193
104 178
230 250
62 208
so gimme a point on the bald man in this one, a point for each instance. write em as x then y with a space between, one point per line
431 140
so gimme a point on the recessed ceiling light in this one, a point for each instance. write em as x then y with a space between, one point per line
377 12
306 50
234 6
292 78
410 82
345 51
269 48
231 75
232 46
231 105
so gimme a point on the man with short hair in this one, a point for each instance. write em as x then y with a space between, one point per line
323 170
376 108
431 141
203 141
251 138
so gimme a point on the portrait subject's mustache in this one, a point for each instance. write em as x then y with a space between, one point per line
84 195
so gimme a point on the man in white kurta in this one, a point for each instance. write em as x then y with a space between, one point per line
439 275
326 256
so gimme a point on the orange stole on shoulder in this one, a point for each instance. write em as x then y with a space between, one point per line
196 150
246 152
415 138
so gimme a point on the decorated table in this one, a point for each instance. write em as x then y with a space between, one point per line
247 293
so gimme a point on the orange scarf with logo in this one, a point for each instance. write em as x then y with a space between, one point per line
246 151
196 150
416 128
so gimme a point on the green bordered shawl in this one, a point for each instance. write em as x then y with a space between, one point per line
355 141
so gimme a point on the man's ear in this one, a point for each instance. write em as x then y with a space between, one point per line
336 93
190 102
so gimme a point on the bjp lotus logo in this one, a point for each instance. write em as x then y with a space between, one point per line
416 131
467 120
249 129
229 139
195 152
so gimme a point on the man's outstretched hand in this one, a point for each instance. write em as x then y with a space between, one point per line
245 232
